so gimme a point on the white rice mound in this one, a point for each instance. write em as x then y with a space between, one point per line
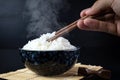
41 43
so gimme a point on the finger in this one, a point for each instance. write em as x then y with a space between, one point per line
96 25
108 17
117 22
83 12
81 25
115 6
99 6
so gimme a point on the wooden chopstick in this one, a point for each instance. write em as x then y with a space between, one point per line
70 27
66 29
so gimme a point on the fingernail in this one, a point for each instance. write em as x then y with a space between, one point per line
88 11
87 22
81 24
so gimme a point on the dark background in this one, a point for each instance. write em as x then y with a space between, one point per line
96 48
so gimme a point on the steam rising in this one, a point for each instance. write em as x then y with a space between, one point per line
44 15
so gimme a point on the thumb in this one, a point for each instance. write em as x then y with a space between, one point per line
99 6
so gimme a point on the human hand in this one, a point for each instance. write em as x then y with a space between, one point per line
111 22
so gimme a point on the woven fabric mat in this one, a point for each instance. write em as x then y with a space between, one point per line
26 74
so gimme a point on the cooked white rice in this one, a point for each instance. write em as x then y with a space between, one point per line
41 43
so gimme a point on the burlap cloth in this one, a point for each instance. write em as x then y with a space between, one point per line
26 74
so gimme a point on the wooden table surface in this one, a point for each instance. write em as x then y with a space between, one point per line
26 74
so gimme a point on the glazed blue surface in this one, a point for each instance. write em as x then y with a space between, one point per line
49 63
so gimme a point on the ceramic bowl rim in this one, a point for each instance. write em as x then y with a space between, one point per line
77 48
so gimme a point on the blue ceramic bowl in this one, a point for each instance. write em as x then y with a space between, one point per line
49 63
